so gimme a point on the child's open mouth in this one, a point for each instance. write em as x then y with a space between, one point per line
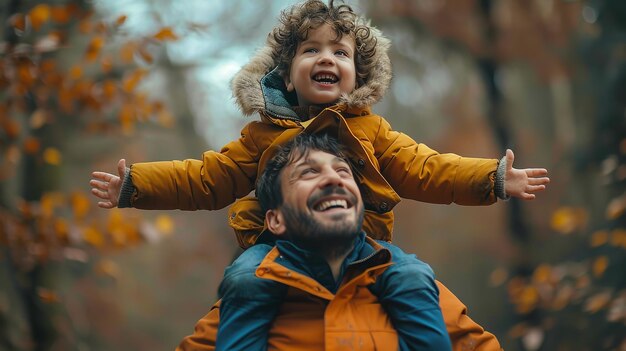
325 78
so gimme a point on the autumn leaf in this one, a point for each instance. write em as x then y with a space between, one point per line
31 145
60 14
47 295
498 277
11 128
120 20
52 156
600 265
132 79
616 207
38 119
164 224
596 302
165 34
93 237
93 49
599 238
39 15
566 220
18 22
108 268
80 204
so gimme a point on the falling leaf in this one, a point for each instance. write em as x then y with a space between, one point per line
542 274
31 145
566 220
132 79
93 237
61 229
600 265
597 302
47 295
52 156
60 14
145 55
616 207
38 118
107 64
498 277
76 72
164 224
563 297
108 268
11 128
165 34
617 309
618 237
94 48
18 22
599 238
80 204
120 20
127 51
39 15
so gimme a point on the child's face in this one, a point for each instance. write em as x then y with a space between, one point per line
322 68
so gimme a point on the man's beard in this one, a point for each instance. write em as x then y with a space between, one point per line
330 240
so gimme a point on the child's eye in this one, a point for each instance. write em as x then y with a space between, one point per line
310 50
341 53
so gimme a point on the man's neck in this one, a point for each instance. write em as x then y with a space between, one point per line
335 262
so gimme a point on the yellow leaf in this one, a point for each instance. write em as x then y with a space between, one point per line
616 207
618 237
52 156
566 220
599 238
108 268
39 15
76 72
597 302
542 274
93 237
61 229
80 205
165 224
599 265
165 33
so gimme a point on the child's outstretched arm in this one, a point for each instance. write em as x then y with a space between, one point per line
107 186
523 183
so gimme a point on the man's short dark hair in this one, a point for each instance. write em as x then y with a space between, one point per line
268 187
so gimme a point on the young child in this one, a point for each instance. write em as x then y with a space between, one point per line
320 72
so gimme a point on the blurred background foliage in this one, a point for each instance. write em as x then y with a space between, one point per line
84 83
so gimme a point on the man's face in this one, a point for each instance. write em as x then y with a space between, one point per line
322 68
322 203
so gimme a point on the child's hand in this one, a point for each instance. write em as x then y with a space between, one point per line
522 183
107 186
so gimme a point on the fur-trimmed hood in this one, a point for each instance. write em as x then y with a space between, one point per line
258 87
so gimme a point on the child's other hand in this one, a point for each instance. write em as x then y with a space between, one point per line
107 186
523 183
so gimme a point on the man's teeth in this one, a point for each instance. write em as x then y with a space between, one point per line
325 78
332 203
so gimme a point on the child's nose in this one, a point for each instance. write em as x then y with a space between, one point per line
326 58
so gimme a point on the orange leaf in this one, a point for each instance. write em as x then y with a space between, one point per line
31 145
11 128
107 64
76 72
38 119
52 156
132 79
120 20
597 302
60 14
93 49
109 88
600 265
599 238
61 229
127 51
145 55
39 15
47 295
108 268
165 34
18 22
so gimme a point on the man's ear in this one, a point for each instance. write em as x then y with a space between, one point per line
275 222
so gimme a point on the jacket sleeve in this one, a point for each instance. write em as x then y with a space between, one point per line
211 183
408 293
417 172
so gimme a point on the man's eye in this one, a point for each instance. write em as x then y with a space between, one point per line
308 171
344 171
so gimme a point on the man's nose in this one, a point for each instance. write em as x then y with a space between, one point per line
331 178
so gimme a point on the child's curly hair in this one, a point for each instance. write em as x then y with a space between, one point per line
294 25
